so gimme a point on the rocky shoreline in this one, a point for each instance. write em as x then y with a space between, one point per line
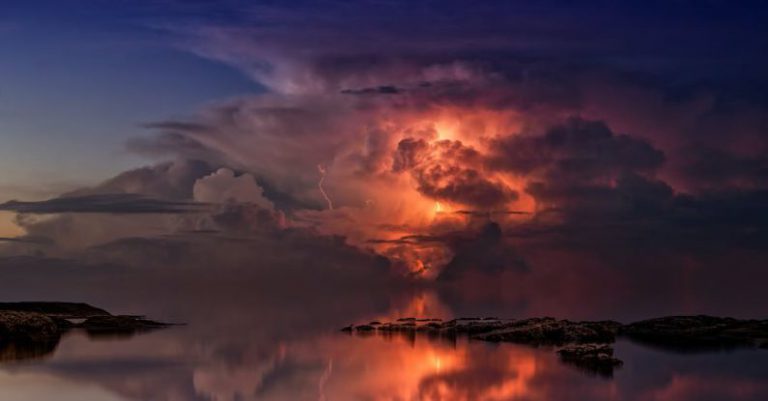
30 330
587 345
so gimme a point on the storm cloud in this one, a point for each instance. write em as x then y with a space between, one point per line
460 142
448 171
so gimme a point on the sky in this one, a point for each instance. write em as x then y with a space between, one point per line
78 81
476 145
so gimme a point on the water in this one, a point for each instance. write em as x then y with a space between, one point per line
272 333
289 348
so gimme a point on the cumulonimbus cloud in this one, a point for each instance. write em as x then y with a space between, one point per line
440 137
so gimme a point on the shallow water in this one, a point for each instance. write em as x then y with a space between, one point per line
264 352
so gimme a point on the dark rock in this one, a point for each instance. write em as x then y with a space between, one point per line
34 330
592 358
41 321
27 327
550 331
65 310
585 345
477 327
364 327
700 332
62 324
529 331
27 335
121 324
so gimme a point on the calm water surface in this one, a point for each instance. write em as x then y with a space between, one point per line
267 350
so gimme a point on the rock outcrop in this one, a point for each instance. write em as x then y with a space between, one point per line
698 332
591 358
27 327
587 344
118 325
535 331
33 329
550 331
64 310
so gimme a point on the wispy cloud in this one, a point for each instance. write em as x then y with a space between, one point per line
106 203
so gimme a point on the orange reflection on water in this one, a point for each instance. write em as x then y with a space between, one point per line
411 368
525 369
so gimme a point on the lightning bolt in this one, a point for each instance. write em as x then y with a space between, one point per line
323 379
322 171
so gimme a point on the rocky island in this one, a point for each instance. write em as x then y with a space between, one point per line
34 329
587 345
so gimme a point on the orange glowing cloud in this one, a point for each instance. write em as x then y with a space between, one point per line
431 169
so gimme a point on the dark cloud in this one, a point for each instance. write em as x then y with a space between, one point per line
105 203
717 168
630 195
637 209
577 151
464 186
27 239
448 170
486 252
168 180
725 218
309 45
379 90
489 213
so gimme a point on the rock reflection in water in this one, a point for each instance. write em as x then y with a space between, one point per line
13 351
20 350
33 330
